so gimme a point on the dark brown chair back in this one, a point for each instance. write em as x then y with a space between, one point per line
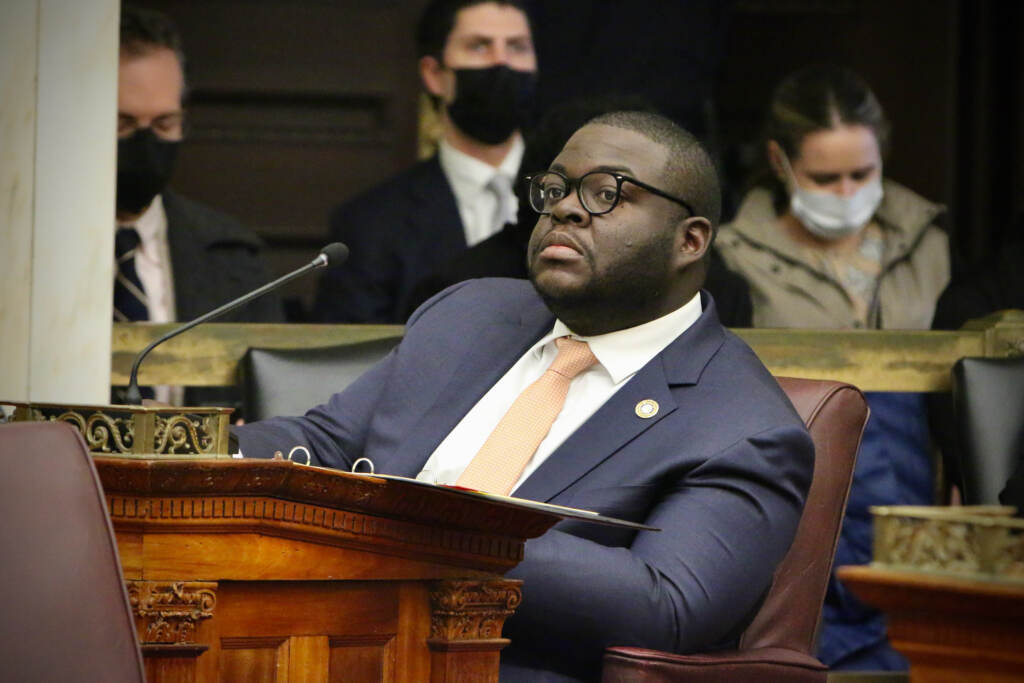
835 415
65 610
779 644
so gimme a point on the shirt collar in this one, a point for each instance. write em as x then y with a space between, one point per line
469 173
152 228
623 352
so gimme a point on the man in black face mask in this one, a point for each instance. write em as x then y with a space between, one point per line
176 259
477 63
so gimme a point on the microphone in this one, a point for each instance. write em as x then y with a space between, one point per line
333 254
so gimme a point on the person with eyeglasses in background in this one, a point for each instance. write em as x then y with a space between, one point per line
827 241
175 258
605 382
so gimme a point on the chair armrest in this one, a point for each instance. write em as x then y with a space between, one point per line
634 665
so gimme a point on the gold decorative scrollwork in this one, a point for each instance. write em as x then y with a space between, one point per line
170 612
103 433
101 429
184 434
472 610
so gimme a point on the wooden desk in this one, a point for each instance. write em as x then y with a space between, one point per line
270 571
952 630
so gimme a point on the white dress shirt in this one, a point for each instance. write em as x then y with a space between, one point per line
153 261
619 354
478 205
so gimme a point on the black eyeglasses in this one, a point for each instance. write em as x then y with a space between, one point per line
598 191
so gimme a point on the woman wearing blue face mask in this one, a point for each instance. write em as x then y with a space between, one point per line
829 242
826 241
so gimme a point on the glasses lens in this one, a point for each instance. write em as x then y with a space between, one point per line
546 190
599 191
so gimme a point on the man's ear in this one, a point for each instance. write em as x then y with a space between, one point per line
430 72
693 239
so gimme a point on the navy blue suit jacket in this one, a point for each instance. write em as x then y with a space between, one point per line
722 470
397 233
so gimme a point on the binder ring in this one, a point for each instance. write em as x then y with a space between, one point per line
368 462
304 450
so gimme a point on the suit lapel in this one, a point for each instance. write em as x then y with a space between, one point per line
616 424
613 426
436 216
186 248
483 361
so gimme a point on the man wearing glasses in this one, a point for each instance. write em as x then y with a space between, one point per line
609 385
175 258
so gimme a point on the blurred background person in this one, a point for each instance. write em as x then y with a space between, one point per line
476 60
826 241
176 258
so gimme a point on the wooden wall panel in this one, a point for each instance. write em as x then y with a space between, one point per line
293 108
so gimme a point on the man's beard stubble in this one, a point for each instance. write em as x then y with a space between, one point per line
628 293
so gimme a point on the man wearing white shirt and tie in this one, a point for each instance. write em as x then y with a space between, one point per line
478 65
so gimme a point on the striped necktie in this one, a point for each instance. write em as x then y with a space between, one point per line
130 302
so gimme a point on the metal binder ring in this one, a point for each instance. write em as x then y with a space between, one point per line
367 461
300 448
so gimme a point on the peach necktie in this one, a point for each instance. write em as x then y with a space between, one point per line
501 460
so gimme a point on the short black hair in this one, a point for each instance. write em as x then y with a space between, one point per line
691 168
144 30
438 19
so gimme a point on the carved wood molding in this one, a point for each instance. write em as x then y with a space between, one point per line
300 520
169 611
472 610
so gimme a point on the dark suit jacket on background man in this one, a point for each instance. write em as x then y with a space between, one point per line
402 231
214 259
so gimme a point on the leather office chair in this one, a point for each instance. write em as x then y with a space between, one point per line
291 381
779 644
65 614
988 406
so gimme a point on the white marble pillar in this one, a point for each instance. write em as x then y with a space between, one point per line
58 111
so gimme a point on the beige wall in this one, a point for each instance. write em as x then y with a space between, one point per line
58 92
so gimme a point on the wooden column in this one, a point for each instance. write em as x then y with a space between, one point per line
465 628
168 615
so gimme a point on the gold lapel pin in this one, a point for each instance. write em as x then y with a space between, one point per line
646 408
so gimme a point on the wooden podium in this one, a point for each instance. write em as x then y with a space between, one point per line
256 570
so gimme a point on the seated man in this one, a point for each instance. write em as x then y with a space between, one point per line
653 411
